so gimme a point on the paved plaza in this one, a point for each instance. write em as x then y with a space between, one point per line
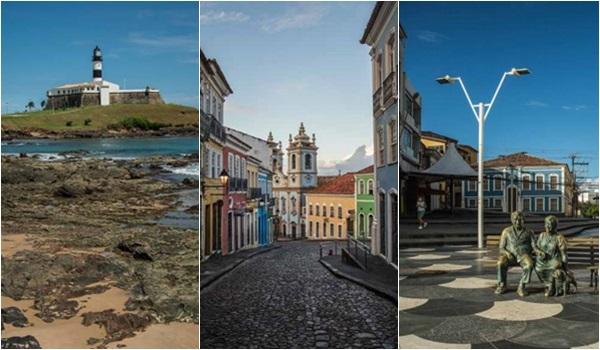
447 300
285 298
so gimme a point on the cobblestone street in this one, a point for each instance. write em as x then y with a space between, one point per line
286 299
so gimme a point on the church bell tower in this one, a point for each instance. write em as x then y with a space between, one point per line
302 160
97 65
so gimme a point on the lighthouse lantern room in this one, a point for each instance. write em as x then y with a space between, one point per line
97 65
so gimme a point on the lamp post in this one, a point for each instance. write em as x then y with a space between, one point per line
481 111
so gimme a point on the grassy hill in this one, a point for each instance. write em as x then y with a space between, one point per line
100 116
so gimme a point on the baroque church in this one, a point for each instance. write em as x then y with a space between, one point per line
289 188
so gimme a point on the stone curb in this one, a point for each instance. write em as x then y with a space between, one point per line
391 296
211 279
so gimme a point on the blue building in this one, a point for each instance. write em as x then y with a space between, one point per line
382 34
522 182
265 227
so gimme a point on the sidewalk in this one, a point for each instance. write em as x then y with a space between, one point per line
447 300
380 277
217 266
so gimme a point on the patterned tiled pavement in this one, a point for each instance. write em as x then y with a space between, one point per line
447 300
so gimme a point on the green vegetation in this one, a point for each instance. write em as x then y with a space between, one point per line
589 209
140 123
102 117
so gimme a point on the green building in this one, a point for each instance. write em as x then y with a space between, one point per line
364 203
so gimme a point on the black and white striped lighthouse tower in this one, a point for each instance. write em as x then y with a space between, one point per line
97 65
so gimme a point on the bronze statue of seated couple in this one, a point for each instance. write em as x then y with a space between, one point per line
518 246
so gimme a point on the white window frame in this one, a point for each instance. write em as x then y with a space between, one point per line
528 182
523 204
472 185
536 182
494 182
543 204
550 204
557 185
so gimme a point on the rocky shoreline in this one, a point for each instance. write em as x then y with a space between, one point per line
77 230
33 133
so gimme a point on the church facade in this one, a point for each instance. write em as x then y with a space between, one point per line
290 188
98 92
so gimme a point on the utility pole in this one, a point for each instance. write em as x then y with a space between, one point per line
574 165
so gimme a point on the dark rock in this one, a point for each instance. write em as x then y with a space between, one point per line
22 155
51 309
92 341
117 327
26 342
193 209
139 251
190 182
14 316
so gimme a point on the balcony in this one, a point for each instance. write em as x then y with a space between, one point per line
389 89
377 103
211 127
238 184
254 193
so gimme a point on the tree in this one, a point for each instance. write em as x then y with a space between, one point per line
42 104
30 105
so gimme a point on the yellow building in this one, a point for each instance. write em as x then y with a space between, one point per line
330 208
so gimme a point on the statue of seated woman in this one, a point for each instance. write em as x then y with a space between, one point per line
551 266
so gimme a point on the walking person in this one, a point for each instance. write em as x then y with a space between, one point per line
421 208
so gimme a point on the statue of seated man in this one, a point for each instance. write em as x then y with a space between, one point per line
554 246
517 244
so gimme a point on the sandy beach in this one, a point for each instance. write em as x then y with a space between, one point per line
86 261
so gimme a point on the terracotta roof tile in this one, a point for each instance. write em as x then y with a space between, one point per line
366 170
338 185
518 159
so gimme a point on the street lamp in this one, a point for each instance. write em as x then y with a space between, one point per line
483 110
224 177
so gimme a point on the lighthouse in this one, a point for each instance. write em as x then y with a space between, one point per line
97 65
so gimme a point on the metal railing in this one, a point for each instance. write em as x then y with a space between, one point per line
328 246
354 246
254 192
389 88
377 100
238 184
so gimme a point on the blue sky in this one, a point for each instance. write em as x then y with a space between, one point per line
45 44
291 62
551 113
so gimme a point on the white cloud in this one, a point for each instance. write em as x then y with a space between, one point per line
299 17
187 43
215 17
574 108
358 160
431 37
535 103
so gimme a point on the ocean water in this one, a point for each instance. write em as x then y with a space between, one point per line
115 148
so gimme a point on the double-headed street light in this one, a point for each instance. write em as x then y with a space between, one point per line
481 114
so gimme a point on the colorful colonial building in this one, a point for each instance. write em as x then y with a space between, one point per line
331 208
260 188
522 182
381 34
214 88
364 203
235 220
